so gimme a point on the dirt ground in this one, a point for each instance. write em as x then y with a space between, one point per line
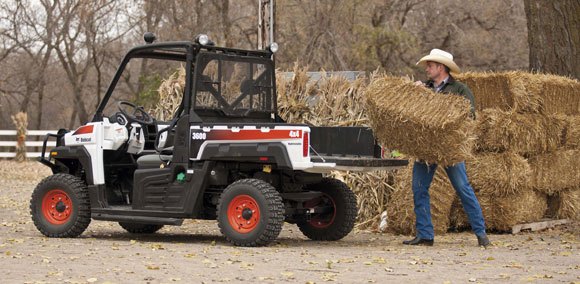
197 253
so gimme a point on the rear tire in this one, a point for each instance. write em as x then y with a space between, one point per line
60 206
250 213
334 225
135 228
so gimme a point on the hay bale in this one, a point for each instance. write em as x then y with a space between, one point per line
524 207
457 217
524 134
400 208
502 213
555 172
571 137
567 204
524 92
491 90
432 127
499 174
20 121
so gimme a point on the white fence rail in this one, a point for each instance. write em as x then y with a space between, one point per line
8 142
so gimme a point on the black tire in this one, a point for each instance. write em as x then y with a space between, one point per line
337 224
259 204
136 228
60 206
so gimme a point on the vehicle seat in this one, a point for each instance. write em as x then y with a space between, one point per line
155 160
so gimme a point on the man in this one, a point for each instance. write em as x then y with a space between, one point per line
438 65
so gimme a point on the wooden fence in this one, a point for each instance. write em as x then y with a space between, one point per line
34 140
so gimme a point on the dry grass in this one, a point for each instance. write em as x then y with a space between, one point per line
331 101
524 134
499 174
170 95
555 172
524 92
418 122
372 191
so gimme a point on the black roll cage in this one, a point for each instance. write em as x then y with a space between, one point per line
184 51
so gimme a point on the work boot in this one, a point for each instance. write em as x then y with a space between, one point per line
483 241
419 242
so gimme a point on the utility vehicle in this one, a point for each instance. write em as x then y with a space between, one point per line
225 155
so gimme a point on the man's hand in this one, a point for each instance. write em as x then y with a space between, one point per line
419 83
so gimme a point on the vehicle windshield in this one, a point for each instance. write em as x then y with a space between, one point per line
233 85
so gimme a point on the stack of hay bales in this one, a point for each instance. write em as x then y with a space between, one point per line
527 148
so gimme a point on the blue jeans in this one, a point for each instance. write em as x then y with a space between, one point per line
422 178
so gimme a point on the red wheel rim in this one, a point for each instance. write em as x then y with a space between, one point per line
56 207
243 214
322 220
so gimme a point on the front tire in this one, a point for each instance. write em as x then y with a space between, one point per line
60 206
338 222
135 228
250 213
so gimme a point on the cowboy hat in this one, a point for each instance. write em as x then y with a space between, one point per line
440 56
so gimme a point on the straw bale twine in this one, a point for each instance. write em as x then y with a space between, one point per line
524 92
20 121
499 174
524 134
571 139
433 127
555 172
400 209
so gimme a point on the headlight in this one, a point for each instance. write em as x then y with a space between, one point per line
202 39
273 47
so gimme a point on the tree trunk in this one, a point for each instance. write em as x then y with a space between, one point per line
553 36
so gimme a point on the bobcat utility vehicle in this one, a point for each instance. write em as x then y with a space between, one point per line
224 154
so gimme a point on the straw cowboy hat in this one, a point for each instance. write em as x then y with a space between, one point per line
440 56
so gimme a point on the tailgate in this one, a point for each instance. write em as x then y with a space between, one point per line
343 141
348 149
326 164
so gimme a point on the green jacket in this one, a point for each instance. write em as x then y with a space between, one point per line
455 87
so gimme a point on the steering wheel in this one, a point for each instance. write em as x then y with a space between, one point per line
138 114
